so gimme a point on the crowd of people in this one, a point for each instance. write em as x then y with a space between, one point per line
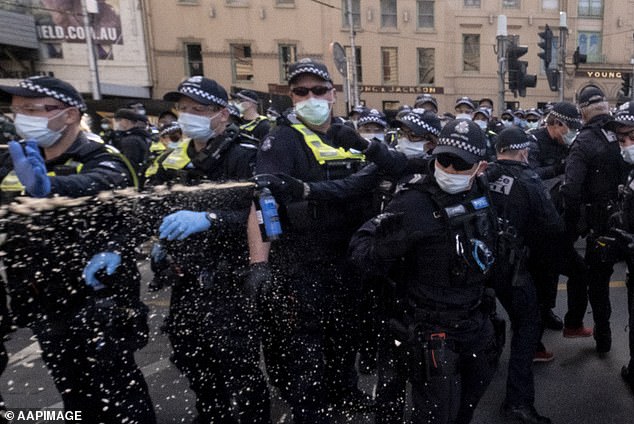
400 235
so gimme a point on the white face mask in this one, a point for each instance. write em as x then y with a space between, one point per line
371 136
36 128
507 124
482 124
411 148
570 137
628 154
240 108
313 111
196 127
464 116
105 126
452 183
532 125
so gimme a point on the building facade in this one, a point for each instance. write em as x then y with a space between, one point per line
403 48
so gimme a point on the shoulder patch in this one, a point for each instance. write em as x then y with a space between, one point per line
266 143
502 185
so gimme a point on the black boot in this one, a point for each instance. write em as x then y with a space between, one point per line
603 338
628 376
525 414
551 320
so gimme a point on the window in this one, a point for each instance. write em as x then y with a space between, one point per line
471 52
187 1
426 66
104 51
590 44
425 13
51 51
592 8
194 58
357 51
241 62
472 3
389 65
550 4
511 4
285 2
388 13
288 55
356 13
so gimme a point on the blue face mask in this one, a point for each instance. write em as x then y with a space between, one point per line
313 111
197 127
36 128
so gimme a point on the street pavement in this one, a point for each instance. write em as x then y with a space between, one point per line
578 387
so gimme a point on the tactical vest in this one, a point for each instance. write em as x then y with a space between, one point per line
249 127
471 226
337 162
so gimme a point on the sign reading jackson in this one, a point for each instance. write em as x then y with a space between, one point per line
63 21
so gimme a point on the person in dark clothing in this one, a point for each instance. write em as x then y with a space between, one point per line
547 156
132 139
80 349
437 240
622 222
526 213
310 346
594 170
212 325
255 125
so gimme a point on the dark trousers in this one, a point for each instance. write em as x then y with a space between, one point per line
600 270
107 386
392 375
630 309
451 393
520 303
215 337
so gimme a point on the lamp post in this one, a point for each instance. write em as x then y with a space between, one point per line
352 63
90 6
563 35
501 51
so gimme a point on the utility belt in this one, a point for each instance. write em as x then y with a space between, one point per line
439 312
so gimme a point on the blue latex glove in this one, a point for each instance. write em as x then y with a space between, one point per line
30 168
180 225
104 260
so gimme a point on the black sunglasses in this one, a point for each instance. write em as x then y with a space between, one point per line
621 135
318 90
458 164
506 119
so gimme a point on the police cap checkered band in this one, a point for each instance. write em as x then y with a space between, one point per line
623 117
308 66
512 138
590 95
169 129
44 86
462 138
567 113
426 98
200 89
372 118
248 95
421 123
465 101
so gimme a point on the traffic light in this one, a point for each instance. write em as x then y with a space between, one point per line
553 79
626 86
578 58
519 80
546 45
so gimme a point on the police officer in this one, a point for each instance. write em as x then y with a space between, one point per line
255 125
464 108
312 360
549 149
594 170
623 220
427 102
211 325
132 139
438 236
92 367
525 212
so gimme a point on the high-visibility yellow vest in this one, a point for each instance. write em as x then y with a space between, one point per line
250 126
322 151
